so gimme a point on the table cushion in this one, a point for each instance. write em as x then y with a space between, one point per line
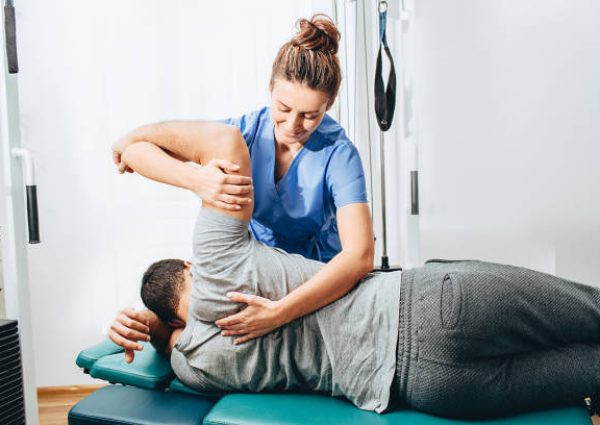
314 409
89 356
148 370
117 404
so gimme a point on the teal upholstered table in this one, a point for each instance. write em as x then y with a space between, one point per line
153 396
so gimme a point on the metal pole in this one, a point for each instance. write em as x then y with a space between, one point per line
384 257
14 265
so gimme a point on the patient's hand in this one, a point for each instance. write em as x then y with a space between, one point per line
260 317
117 151
129 327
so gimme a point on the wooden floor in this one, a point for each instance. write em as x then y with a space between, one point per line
54 403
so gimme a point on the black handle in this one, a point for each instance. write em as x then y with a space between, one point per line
10 32
414 193
32 215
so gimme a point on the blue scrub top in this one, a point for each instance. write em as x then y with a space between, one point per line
298 212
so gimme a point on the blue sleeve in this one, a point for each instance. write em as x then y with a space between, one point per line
345 176
248 125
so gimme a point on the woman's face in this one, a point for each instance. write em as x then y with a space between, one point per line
296 111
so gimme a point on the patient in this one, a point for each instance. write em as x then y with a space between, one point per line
463 339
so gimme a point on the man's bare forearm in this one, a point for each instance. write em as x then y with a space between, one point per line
187 140
152 162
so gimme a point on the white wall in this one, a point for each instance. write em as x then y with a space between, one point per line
508 97
90 71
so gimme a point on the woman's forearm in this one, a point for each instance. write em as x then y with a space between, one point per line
332 282
344 270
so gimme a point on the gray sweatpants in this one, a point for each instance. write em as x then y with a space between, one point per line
480 339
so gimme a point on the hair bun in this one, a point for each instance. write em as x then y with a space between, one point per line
320 34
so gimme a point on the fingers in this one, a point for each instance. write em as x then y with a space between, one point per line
134 321
234 319
122 167
225 206
233 333
245 338
224 164
230 199
238 180
129 355
129 333
116 157
237 326
123 342
142 316
232 189
128 328
244 298
229 166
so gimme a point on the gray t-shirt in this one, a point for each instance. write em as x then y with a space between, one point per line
347 348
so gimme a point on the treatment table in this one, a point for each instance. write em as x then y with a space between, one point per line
146 392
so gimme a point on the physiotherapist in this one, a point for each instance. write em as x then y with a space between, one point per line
308 181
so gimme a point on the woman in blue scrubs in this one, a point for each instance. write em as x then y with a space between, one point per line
308 181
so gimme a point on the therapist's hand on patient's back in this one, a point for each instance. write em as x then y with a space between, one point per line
130 327
260 317
217 184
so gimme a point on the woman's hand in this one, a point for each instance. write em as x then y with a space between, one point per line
128 328
260 317
213 185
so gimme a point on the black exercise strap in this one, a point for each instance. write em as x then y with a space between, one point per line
385 100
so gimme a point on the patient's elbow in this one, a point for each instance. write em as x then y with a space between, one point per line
232 138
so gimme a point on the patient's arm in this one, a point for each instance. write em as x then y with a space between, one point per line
219 182
187 140
154 163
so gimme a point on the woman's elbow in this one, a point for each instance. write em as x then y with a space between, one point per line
364 260
368 261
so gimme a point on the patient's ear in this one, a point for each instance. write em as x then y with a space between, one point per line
187 264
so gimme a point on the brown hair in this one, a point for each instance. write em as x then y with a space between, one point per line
310 57
161 288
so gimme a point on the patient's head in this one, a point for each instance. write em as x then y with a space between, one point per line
166 287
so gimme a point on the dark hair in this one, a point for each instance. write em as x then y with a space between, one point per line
311 57
161 286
